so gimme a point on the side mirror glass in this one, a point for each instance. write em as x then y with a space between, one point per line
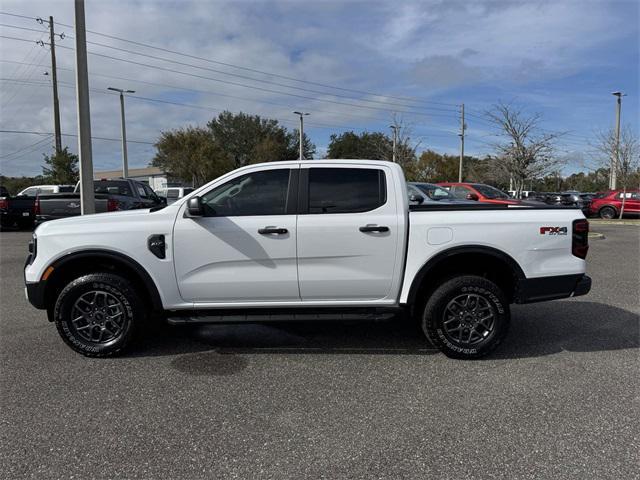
194 207
472 196
413 198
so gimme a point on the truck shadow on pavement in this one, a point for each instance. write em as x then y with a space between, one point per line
536 330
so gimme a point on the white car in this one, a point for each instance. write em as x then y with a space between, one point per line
305 240
46 189
171 194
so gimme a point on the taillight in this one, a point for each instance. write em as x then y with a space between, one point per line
4 203
112 205
36 206
580 238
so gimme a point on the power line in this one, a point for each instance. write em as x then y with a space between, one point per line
22 28
17 16
278 92
245 77
254 70
210 108
35 144
209 92
75 135
369 107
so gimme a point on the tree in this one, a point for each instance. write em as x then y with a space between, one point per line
527 152
250 139
191 154
229 141
628 156
433 167
373 146
61 167
367 145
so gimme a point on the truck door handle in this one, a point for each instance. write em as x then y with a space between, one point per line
273 231
374 228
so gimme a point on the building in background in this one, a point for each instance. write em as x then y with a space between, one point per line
155 177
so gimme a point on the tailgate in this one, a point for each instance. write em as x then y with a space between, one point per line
67 205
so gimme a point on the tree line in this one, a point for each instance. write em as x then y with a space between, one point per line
524 154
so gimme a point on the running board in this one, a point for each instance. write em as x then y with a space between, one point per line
374 314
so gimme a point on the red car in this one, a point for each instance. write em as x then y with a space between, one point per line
608 204
479 192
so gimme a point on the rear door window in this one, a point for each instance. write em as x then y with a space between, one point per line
460 192
346 190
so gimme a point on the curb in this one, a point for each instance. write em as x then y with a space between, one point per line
614 222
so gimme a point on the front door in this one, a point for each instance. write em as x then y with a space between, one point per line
244 249
348 233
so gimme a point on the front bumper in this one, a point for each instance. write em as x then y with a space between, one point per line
35 294
541 289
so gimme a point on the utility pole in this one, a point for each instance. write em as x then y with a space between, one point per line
87 201
394 155
301 115
461 135
125 161
616 153
54 79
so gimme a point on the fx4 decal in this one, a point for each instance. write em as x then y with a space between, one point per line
553 230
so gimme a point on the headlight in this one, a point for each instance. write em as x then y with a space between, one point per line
33 248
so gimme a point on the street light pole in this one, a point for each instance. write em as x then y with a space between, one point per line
301 115
462 129
125 161
615 159
395 142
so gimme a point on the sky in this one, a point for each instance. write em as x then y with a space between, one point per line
351 65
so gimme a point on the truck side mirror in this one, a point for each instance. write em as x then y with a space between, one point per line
194 207
472 196
416 198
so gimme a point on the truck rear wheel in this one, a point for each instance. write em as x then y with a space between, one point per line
466 317
95 314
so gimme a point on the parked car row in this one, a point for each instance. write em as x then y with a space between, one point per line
603 204
40 203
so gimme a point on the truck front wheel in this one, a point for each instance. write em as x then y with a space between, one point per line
466 317
95 314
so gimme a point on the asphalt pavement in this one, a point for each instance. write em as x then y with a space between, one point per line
332 400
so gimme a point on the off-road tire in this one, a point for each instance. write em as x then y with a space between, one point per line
118 295
439 319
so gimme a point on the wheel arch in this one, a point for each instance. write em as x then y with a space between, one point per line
481 260
95 260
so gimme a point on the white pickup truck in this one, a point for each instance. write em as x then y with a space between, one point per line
299 240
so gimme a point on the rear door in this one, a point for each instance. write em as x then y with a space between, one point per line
348 233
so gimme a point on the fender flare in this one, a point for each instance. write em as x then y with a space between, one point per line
148 282
437 259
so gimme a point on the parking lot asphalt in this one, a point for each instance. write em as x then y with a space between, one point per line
560 399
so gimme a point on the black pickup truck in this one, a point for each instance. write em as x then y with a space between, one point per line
15 211
110 195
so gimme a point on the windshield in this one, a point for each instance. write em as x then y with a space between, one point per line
490 192
434 192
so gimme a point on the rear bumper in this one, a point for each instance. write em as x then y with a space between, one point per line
541 289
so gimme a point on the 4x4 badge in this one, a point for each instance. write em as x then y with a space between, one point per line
553 230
